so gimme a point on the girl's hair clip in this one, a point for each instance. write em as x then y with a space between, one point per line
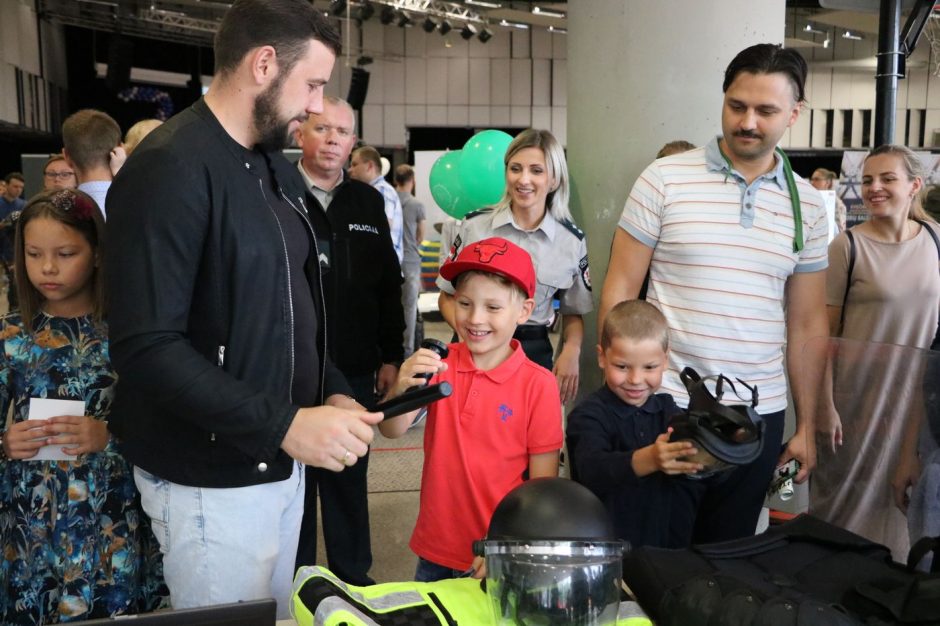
76 204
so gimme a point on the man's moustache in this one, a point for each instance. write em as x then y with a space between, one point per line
748 135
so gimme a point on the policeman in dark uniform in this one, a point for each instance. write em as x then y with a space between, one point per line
362 288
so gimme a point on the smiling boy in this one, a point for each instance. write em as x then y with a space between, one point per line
502 421
618 441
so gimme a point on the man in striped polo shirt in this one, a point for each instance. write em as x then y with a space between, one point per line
737 266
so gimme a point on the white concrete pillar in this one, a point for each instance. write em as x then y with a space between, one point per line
641 73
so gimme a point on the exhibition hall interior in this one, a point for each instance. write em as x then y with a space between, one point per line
768 212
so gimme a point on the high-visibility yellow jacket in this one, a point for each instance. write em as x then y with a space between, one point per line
322 599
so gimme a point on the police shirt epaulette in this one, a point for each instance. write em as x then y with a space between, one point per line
473 214
574 230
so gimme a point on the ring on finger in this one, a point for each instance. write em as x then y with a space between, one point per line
346 458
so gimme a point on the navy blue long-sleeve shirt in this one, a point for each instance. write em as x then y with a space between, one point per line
603 433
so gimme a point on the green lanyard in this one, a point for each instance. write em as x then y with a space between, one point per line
794 196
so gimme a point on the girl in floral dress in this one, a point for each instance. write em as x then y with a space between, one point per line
75 542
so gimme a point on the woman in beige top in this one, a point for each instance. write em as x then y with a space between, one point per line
892 297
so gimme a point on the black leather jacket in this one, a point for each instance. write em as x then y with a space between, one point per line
200 311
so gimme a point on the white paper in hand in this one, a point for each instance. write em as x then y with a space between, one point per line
43 409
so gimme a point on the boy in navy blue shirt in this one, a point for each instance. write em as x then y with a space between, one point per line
618 437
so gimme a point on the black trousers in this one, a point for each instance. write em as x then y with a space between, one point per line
726 506
536 344
344 506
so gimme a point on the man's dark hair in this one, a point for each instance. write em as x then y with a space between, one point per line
769 58
287 25
14 176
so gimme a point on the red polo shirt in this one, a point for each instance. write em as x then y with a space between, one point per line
477 444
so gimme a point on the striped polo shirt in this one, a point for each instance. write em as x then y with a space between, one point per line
722 254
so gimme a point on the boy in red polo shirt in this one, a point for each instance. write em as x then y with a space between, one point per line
502 419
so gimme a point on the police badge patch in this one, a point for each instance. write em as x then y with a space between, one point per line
585 272
455 247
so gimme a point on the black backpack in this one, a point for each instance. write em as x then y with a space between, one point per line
804 572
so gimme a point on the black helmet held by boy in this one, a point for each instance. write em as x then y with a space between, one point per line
726 435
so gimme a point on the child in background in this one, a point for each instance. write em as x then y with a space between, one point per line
75 542
502 421
618 440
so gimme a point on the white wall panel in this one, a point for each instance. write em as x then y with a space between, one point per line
819 128
373 37
542 117
437 81
799 132
394 40
900 126
541 82
916 89
499 82
520 88
520 43
458 70
819 93
393 81
478 116
8 106
394 123
841 90
479 85
559 83
520 116
416 80
560 124
838 124
377 91
372 131
416 115
499 45
862 91
437 115
458 115
857 126
499 116
541 43
559 46
414 42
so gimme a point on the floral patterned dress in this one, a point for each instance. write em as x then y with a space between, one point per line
75 541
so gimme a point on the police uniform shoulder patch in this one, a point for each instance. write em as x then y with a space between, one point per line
473 214
585 272
455 248
572 228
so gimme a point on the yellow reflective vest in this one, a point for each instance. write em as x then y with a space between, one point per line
321 599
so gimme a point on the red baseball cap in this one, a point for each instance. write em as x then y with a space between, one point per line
495 256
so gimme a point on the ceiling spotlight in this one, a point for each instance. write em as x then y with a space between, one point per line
560 31
468 31
547 13
387 16
850 35
337 7
428 25
366 10
484 3
404 20
445 27
826 42
485 35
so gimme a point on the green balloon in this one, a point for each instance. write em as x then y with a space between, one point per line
446 186
482 171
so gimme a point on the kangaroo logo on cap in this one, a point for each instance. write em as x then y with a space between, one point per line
489 250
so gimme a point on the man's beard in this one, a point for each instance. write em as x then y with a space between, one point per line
271 132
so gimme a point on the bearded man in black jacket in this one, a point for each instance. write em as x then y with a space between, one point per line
217 324
362 282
